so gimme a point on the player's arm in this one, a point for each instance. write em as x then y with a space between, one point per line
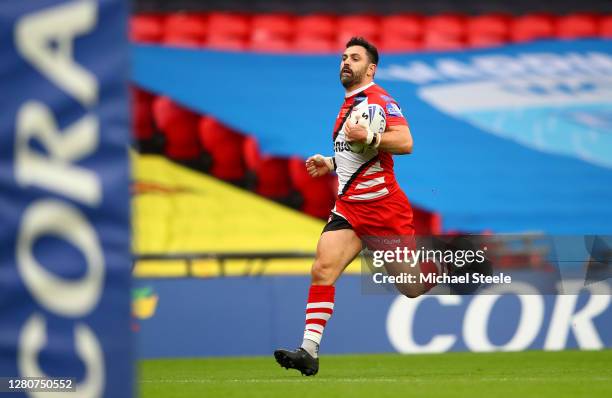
319 165
396 139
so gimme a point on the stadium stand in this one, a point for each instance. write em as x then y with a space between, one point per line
179 210
236 157
179 126
276 32
269 175
224 147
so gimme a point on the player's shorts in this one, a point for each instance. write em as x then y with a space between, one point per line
384 223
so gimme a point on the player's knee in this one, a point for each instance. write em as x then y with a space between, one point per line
322 272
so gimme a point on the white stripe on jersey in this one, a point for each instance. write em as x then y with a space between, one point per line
371 183
375 168
370 195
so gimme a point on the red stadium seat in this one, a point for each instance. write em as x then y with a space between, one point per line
532 27
271 173
317 193
180 126
487 30
146 28
402 27
272 26
444 32
185 28
489 24
317 25
449 25
225 148
142 114
576 25
367 26
605 26
229 24
313 44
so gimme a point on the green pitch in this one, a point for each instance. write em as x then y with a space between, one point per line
514 375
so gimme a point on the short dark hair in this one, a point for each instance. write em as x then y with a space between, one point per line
369 47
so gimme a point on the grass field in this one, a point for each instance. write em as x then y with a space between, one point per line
497 375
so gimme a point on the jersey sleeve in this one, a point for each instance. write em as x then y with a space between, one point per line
393 112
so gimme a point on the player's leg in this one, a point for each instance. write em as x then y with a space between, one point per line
335 250
417 287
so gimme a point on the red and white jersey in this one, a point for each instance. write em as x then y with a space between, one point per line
365 176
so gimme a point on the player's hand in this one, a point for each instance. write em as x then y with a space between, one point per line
318 166
355 132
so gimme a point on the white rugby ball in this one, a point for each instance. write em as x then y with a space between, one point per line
370 116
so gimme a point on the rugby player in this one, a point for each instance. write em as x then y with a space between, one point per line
370 202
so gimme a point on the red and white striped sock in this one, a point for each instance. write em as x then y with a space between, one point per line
318 311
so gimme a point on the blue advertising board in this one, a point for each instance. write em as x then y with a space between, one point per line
64 200
254 316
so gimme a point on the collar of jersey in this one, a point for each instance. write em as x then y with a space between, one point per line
358 90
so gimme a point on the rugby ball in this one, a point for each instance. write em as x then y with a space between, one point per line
370 116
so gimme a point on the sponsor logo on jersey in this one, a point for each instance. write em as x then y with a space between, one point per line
341 146
393 109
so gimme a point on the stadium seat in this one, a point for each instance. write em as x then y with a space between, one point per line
271 26
317 25
444 32
489 25
185 29
272 32
270 174
450 25
576 26
229 24
401 32
142 114
605 26
228 31
363 25
317 194
402 26
487 30
146 28
532 27
225 148
179 126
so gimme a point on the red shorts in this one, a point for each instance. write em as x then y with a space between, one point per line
389 217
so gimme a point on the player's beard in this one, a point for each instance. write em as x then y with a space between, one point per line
354 78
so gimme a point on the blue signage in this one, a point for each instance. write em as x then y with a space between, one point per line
64 201
254 316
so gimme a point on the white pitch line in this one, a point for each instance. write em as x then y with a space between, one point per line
296 380
366 380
